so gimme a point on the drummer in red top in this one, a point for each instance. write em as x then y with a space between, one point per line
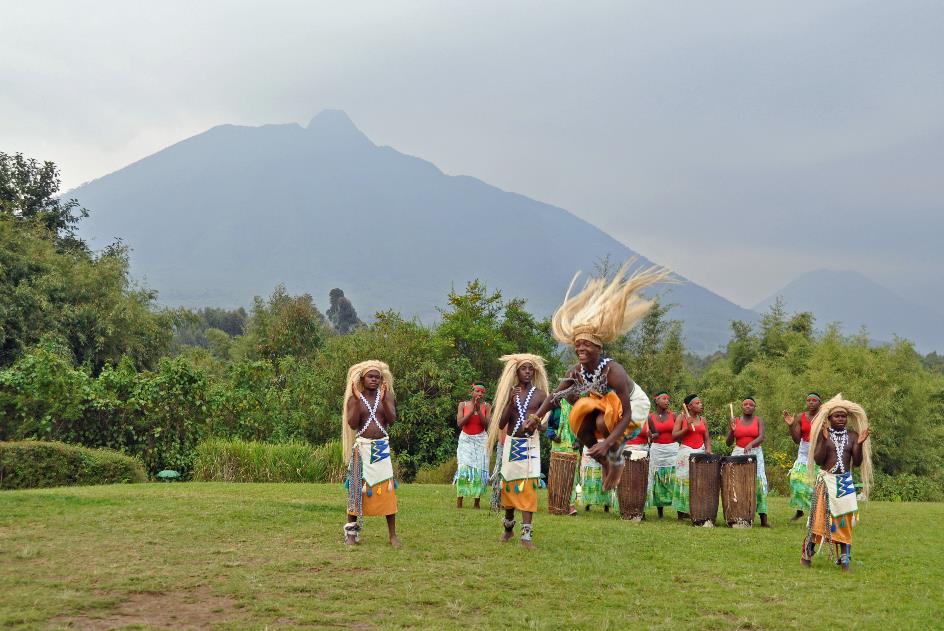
662 454
748 432
691 431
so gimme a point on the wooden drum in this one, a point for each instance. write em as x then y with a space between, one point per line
631 492
560 481
704 486
739 490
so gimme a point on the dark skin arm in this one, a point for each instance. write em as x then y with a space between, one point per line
506 414
623 386
353 413
823 450
730 439
548 403
389 406
796 430
681 427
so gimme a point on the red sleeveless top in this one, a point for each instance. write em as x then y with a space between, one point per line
805 427
474 425
695 439
743 434
640 438
664 429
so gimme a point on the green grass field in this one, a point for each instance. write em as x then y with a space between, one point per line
205 555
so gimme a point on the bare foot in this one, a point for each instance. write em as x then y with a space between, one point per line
350 540
845 568
806 562
506 536
395 541
798 515
528 545
612 477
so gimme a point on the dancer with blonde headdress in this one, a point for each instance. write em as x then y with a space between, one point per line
837 449
522 389
608 407
369 410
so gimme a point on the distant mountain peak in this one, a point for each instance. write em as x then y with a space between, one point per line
336 126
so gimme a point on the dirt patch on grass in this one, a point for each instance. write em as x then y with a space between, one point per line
197 608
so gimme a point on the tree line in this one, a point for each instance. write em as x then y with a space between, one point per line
88 357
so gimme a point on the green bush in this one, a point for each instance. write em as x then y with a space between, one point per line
438 474
219 460
34 464
907 487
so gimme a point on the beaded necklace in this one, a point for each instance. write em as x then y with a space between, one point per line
522 408
372 414
596 380
840 438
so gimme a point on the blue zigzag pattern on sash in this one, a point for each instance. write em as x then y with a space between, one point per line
379 450
519 450
844 485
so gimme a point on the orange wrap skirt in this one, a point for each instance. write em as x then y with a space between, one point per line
522 495
610 408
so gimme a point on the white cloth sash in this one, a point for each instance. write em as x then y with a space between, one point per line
841 492
376 465
521 458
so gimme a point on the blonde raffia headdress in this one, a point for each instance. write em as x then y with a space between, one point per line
858 422
604 310
507 383
354 375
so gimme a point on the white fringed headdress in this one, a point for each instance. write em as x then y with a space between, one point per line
858 421
605 310
354 375
507 383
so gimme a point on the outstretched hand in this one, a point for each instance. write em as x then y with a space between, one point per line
788 418
864 436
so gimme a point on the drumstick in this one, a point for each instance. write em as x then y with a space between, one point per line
731 408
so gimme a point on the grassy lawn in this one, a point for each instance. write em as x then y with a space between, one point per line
256 556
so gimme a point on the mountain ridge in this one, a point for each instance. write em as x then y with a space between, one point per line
227 214
843 296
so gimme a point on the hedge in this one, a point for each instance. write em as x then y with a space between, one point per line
38 464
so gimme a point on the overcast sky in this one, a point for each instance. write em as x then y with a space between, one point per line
741 143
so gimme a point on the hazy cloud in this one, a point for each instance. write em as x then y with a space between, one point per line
741 142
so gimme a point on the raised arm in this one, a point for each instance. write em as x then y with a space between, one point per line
857 443
552 402
730 438
462 417
796 429
353 413
389 406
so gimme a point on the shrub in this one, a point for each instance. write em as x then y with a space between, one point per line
35 464
907 487
219 460
438 474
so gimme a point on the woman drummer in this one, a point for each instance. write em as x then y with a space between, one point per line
691 432
747 431
662 453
